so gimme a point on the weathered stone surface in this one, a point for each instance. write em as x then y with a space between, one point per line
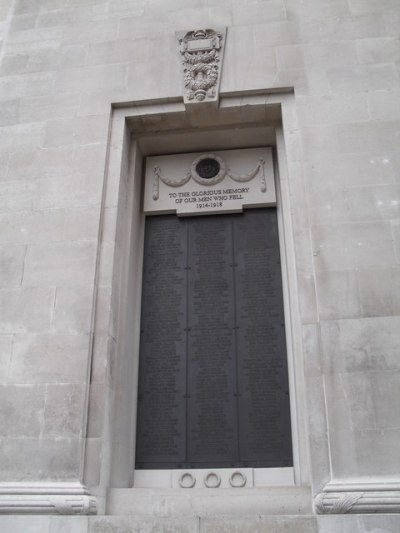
63 64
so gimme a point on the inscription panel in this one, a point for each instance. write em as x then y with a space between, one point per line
162 369
213 386
212 429
264 414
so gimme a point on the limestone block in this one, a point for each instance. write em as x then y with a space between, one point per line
21 410
307 297
94 32
361 345
351 27
104 322
9 112
303 250
26 309
263 13
357 169
328 205
317 427
369 452
6 342
316 55
23 21
10 87
23 164
355 241
17 195
349 401
3 165
13 64
33 8
65 15
345 524
68 524
93 458
379 292
62 160
11 265
54 358
385 392
42 107
368 136
395 227
22 524
194 17
73 310
64 410
374 202
109 225
243 43
319 138
385 523
56 58
38 84
277 33
312 350
328 9
337 294
363 78
98 102
378 50
154 65
97 398
384 105
135 26
78 131
87 79
81 224
62 264
103 346
117 524
118 51
52 225
359 6
332 109
260 524
31 459
22 136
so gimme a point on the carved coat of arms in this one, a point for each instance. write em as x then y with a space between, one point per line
201 52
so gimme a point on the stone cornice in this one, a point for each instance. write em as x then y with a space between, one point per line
46 498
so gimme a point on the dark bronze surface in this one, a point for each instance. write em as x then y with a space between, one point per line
213 387
207 168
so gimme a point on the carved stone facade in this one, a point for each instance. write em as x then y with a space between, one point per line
89 91
202 53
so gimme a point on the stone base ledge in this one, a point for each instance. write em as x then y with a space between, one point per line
43 498
358 498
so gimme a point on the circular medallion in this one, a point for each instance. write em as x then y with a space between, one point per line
237 480
187 480
208 169
212 480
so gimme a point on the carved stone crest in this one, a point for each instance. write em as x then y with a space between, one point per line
201 54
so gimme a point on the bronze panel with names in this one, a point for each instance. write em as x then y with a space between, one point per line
213 385
161 423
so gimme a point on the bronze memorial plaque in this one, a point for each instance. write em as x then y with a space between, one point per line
213 384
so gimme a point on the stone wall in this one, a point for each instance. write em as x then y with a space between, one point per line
63 64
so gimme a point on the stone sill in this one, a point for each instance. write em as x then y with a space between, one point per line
209 502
